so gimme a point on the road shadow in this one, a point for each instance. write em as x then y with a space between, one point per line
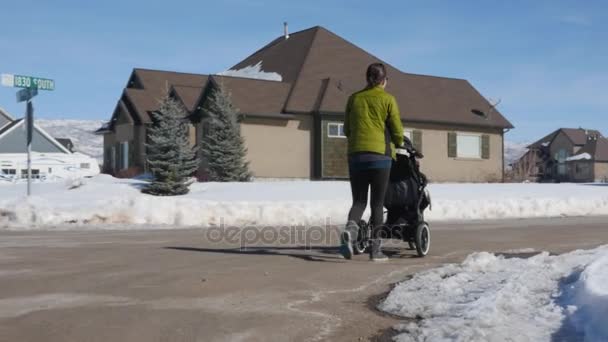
307 253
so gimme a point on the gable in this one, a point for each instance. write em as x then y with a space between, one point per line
561 141
14 141
4 118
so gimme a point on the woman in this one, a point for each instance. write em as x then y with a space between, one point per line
373 127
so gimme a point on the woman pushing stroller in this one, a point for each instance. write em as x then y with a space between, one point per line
373 128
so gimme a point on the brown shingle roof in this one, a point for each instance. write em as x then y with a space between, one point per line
578 136
319 71
187 95
143 103
597 148
310 57
146 87
283 56
157 81
252 96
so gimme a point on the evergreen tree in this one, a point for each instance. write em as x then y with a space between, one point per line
171 159
223 147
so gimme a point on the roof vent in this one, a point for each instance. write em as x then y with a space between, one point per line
285 30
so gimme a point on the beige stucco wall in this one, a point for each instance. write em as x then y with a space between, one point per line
124 132
278 148
601 172
440 168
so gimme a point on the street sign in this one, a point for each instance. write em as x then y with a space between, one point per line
26 94
20 81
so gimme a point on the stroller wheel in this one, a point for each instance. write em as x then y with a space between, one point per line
360 246
412 245
423 239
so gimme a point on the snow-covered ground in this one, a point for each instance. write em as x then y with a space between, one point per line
80 132
493 298
107 200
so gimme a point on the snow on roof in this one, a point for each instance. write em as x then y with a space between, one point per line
582 156
253 71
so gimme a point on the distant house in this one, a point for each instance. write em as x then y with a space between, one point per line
50 158
565 155
292 93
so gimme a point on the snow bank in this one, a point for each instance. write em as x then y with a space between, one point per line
253 71
104 199
492 298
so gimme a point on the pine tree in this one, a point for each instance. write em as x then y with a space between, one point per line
171 159
223 147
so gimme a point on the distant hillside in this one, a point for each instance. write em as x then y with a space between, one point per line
80 132
514 151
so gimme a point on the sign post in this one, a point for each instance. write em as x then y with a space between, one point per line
30 86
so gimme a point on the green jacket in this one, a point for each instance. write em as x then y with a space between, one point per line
368 113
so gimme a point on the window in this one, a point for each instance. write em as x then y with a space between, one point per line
11 172
35 173
335 130
124 149
113 158
50 170
561 157
468 146
84 166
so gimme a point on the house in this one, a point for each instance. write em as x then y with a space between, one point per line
50 158
291 95
566 155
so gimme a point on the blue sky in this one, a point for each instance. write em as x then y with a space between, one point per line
546 60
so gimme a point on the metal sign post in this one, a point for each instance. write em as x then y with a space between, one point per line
30 87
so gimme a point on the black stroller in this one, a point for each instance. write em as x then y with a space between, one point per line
406 200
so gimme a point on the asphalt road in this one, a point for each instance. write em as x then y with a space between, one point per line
184 285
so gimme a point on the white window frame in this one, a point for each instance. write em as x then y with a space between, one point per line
466 134
340 126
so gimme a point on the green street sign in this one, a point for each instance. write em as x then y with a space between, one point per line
20 81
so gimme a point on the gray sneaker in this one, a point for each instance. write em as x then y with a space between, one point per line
350 234
375 252
346 246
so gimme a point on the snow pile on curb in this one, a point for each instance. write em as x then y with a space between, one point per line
490 297
107 200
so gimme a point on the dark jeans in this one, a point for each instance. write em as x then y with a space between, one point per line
360 182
